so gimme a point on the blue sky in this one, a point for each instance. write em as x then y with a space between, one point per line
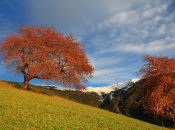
116 33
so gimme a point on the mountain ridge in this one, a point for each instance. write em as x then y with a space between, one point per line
100 90
113 87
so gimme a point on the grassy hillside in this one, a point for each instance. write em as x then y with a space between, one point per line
20 109
91 99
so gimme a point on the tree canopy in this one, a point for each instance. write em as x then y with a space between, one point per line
46 54
158 87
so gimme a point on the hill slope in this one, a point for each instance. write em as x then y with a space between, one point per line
21 109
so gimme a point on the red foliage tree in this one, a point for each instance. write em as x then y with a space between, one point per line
46 54
158 87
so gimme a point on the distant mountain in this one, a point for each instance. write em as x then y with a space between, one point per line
113 87
100 90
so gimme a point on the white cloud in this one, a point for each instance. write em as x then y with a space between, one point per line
157 18
105 61
154 47
161 30
150 12
119 19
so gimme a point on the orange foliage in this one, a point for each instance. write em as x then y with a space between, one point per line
158 87
46 54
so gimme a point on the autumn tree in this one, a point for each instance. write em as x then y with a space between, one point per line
46 54
158 87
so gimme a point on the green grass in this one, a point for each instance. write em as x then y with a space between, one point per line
24 110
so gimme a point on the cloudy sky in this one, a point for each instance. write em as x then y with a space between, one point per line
116 33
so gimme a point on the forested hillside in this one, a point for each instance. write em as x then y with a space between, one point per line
125 102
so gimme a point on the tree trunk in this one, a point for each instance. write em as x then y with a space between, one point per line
173 124
25 84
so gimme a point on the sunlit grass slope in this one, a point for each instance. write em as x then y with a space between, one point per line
23 110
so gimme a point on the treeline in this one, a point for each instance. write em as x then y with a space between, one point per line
91 98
